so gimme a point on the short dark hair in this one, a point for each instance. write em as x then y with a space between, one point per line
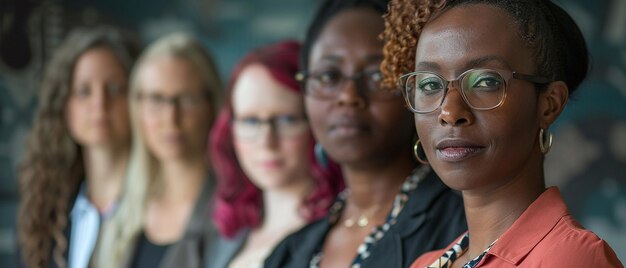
327 10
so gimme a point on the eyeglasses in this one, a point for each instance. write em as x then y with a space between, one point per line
111 90
156 102
284 126
328 84
481 89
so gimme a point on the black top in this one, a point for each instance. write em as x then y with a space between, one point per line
188 250
148 254
432 218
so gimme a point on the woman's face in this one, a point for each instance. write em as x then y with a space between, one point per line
174 110
354 127
271 135
97 107
472 149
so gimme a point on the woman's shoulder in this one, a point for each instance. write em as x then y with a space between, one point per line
570 243
427 258
298 248
569 233
440 204
221 250
431 191
313 230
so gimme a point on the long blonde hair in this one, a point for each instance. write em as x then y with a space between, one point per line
53 167
121 231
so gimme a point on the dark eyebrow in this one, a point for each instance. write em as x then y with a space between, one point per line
427 65
331 58
475 63
480 62
337 58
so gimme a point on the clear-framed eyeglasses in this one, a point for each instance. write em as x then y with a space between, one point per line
284 126
156 102
481 89
329 84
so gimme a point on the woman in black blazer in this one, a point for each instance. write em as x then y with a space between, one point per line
394 209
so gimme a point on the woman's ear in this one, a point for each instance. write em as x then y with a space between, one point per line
552 101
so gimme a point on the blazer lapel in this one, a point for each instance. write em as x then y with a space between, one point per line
303 248
421 199
188 251
410 220
220 253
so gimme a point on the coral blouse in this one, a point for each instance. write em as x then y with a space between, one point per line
545 235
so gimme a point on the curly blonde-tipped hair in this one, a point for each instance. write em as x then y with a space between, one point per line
403 25
559 49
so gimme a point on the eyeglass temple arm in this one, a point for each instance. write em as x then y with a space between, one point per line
532 78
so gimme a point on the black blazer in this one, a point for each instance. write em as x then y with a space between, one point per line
432 218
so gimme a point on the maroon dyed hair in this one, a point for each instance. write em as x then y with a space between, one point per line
238 202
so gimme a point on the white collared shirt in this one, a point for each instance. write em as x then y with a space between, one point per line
86 221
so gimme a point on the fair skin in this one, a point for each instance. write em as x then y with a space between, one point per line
97 118
175 133
365 135
275 158
492 156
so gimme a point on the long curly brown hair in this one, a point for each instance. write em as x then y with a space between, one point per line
53 167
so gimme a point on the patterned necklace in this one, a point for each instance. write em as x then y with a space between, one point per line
363 251
457 250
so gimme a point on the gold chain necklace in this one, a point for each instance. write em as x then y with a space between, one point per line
363 220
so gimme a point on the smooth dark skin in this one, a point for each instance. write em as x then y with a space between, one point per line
374 147
501 180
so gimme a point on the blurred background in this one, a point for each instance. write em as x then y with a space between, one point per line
588 160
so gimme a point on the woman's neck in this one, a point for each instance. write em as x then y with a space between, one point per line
105 170
490 212
170 206
378 184
281 216
182 180
281 207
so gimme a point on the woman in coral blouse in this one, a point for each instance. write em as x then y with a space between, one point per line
486 79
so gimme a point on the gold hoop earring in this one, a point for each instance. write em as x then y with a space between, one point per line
417 153
545 141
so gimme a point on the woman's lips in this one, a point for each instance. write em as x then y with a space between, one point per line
100 123
271 164
174 138
346 130
454 150
347 127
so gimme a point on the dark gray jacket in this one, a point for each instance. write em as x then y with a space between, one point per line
432 218
189 251
223 250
